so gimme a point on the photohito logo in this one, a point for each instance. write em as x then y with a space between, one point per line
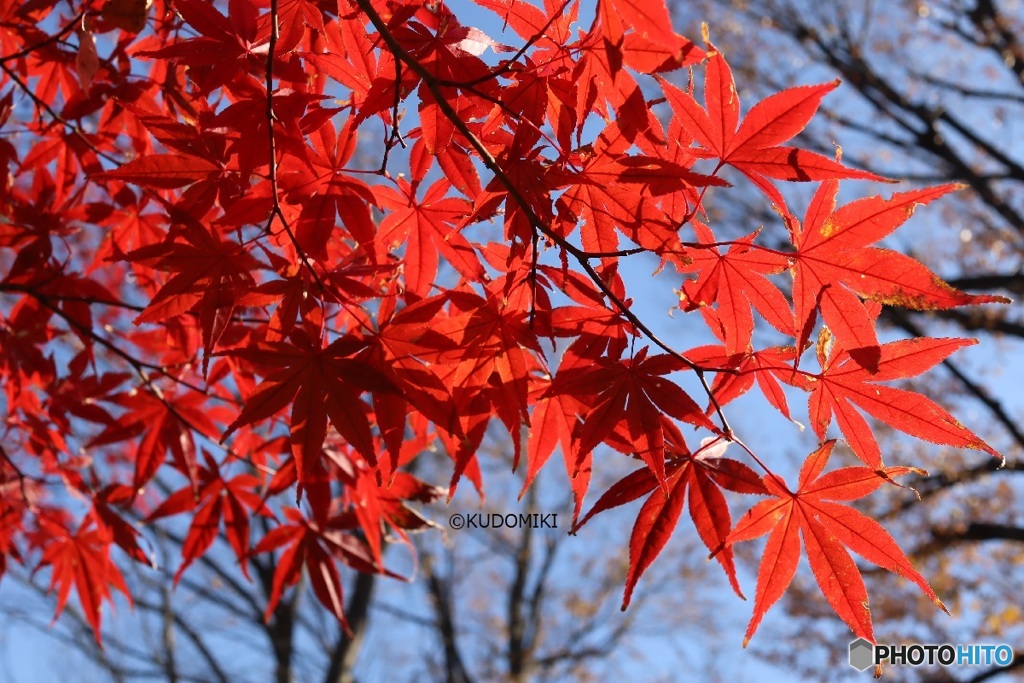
863 654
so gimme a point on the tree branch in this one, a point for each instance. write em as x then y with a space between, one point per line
346 650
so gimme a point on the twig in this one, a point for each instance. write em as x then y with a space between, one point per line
57 117
43 43
275 32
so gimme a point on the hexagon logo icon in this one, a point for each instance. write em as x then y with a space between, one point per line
862 654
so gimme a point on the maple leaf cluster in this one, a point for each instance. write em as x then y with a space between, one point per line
220 298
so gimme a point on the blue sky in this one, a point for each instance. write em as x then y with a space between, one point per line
26 656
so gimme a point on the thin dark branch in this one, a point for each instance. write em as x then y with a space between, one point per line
75 21
980 319
972 387
513 191
194 636
1011 282
965 90
42 104
981 531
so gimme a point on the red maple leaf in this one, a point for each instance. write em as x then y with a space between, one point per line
234 500
321 383
210 275
317 548
827 529
426 227
81 560
834 264
633 393
735 281
843 385
698 477
226 45
754 147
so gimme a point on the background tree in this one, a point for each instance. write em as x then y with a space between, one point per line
211 309
487 605
934 93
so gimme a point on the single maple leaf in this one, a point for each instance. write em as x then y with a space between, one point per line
165 423
828 529
320 383
834 264
325 190
317 547
226 45
292 300
754 147
843 385
735 281
373 507
234 500
305 547
698 477
633 392
763 367
426 228
210 274
81 560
